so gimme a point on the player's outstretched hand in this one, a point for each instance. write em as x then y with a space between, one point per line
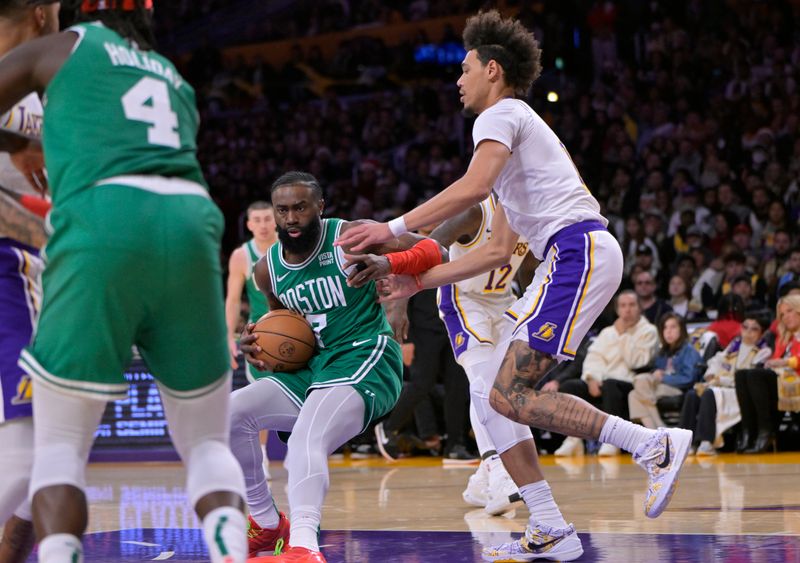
367 267
397 287
359 237
248 346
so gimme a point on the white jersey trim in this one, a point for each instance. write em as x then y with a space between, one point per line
157 184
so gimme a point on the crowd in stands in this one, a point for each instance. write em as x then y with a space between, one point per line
682 117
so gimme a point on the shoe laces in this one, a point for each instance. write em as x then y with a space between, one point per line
278 546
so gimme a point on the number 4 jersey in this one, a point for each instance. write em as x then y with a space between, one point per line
142 114
472 310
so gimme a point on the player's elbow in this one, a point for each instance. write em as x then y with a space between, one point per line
476 188
497 257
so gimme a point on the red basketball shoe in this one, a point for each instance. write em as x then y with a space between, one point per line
292 555
266 539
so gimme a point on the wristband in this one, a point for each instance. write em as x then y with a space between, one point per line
420 258
398 226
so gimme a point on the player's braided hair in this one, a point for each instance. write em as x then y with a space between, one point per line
508 42
295 178
132 19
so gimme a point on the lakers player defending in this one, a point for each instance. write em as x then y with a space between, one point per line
133 259
542 198
472 311
353 378
21 236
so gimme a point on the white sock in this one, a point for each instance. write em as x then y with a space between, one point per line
225 532
61 548
493 462
543 508
304 528
623 434
266 515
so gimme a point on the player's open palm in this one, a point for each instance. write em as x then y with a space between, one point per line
247 343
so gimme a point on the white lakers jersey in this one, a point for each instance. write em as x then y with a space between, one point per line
495 282
539 187
24 119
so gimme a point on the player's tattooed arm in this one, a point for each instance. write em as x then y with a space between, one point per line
20 224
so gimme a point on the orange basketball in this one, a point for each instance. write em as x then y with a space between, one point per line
286 339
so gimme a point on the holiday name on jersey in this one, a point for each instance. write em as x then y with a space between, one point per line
315 295
122 56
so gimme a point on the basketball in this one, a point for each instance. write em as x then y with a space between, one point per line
286 339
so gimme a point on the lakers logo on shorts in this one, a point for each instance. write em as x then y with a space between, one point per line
24 394
546 332
460 339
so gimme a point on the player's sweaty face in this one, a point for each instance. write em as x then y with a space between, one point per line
297 215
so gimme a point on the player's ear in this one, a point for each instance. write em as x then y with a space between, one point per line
39 17
321 206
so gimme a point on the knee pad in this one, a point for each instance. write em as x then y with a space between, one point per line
210 468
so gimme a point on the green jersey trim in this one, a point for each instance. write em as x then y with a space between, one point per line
288 392
307 261
111 391
157 184
363 370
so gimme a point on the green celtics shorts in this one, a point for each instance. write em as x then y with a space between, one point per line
373 366
129 266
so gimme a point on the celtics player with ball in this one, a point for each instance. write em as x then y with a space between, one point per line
354 376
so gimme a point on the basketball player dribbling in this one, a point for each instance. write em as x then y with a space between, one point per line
353 378
133 259
542 198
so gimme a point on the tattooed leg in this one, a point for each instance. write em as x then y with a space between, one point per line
515 397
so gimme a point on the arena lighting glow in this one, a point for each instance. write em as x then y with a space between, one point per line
552 97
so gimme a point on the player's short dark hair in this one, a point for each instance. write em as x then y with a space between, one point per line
296 178
509 43
134 25
258 206
10 8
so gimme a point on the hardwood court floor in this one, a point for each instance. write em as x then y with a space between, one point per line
728 508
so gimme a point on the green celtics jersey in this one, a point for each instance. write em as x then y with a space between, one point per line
317 288
258 303
132 107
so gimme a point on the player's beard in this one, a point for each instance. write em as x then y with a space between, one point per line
307 240
468 112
